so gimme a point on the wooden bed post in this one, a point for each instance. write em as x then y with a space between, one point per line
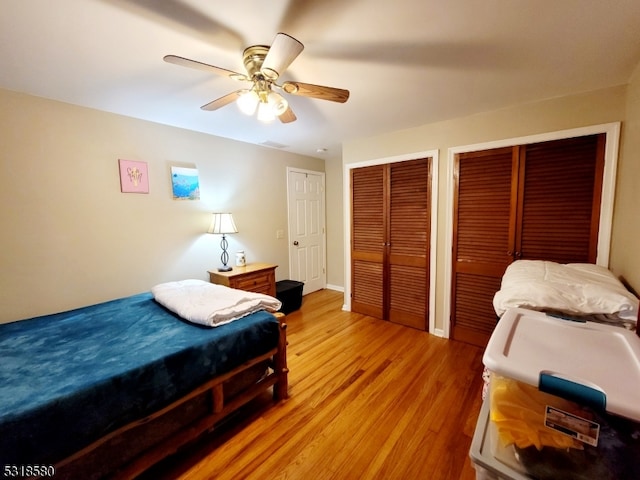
281 388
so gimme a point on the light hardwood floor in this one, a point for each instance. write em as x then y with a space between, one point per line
368 400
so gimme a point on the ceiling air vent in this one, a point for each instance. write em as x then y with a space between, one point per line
271 144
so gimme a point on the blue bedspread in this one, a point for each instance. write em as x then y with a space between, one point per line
68 379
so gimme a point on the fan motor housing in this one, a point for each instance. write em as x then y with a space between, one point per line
253 57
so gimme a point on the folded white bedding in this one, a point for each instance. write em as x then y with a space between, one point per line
573 289
208 304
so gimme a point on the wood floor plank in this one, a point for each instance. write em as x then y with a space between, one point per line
368 400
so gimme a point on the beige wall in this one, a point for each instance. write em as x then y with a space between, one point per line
625 248
335 227
71 238
593 108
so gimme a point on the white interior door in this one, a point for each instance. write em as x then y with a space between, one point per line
306 205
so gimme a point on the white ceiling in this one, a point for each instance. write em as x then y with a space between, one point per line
405 62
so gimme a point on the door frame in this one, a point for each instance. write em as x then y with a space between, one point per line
612 132
323 217
346 190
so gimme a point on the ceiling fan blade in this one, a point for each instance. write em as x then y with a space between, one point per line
288 116
178 15
282 52
185 62
316 91
222 101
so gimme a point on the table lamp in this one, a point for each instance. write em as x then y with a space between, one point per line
222 223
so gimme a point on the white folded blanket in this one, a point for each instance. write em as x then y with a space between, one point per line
573 289
208 304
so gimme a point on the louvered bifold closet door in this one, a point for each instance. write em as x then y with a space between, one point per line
408 242
532 202
368 225
483 235
559 209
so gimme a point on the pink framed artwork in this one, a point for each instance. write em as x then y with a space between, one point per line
134 177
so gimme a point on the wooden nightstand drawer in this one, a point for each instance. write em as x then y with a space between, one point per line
259 280
255 277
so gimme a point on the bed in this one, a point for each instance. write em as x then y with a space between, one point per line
110 389
576 290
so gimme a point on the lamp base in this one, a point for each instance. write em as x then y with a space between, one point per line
224 258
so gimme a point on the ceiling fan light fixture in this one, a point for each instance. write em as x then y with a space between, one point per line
277 103
264 65
265 113
248 102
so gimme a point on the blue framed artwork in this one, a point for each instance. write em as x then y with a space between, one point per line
185 183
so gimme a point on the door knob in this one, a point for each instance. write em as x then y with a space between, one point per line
295 242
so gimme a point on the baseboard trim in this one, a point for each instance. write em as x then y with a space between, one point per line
337 288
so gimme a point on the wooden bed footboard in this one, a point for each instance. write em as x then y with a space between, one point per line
135 447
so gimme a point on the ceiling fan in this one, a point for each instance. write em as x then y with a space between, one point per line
264 66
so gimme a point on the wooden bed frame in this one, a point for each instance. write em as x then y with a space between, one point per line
135 447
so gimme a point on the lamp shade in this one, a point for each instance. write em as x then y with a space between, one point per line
222 223
248 102
277 103
265 112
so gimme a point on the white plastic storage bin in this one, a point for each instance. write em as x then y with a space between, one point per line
482 454
564 397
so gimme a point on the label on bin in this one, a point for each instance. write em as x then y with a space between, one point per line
579 428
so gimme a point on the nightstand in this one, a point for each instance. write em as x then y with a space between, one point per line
254 277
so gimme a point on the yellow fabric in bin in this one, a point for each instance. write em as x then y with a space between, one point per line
518 411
